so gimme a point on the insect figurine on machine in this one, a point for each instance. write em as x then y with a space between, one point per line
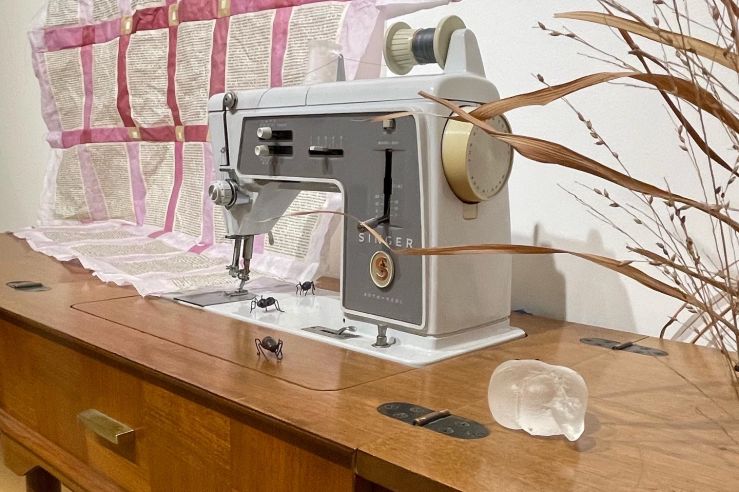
265 302
302 288
268 344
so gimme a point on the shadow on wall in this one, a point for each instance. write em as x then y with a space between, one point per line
540 288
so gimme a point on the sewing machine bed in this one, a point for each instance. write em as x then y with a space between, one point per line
307 363
319 317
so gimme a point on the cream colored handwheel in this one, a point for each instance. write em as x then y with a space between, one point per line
476 165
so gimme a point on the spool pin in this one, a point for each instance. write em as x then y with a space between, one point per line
406 47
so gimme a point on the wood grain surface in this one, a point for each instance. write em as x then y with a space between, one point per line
652 423
646 428
307 363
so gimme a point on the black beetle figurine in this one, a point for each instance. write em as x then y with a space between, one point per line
268 344
264 303
304 287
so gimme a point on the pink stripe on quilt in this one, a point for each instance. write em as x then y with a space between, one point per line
158 134
63 37
124 101
91 135
194 10
171 70
138 187
179 156
244 6
280 28
74 37
107 31
218 56
196 133
70 138
93 193
151 18
207 237
55 140
86 56
60 38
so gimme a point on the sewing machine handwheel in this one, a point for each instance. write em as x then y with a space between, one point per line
476 165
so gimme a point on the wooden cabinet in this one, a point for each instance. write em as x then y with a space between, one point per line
179 444
209 414
264 463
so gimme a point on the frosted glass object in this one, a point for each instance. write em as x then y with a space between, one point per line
541 399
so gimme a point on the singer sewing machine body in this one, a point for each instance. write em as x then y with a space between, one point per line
326 137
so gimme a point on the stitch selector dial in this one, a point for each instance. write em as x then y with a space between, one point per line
476 164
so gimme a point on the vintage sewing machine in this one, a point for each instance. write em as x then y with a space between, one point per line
420 180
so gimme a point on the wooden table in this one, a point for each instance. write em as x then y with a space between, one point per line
208 414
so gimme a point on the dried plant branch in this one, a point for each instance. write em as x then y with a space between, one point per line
681 88
547 152
693 63
692 132
620 266
680 42
660 260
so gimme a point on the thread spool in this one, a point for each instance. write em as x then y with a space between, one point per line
406 47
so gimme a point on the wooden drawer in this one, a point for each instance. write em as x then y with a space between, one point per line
178 445
262 462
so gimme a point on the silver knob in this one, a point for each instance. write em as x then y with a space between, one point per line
230 99
262 150
273 150
222 193
264 133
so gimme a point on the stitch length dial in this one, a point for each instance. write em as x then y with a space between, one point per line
476 165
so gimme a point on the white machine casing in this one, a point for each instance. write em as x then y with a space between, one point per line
466 298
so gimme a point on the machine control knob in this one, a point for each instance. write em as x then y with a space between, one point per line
262 151
267 133
320 150
476 165
222 193
270 150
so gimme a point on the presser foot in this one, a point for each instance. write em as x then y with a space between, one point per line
241 292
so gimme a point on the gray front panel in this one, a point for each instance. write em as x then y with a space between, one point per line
367 151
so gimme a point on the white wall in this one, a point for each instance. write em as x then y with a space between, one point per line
23 150
634 122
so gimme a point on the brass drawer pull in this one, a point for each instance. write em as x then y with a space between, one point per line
109 429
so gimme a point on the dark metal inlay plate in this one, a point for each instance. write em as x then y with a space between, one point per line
636 349
28 286
340 334
452 425
212 298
